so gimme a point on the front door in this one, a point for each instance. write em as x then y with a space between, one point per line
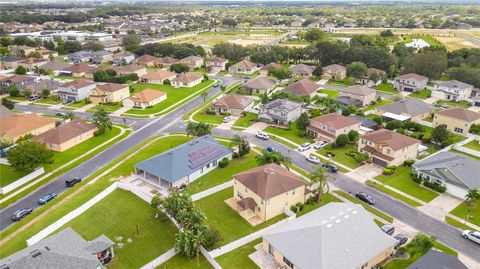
270 249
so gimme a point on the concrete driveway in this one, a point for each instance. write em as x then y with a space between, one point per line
440 206
366 172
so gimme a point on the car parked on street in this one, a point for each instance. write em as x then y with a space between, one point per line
22 213
46 198
304 147
60 114
330 166
401 238
313 159
271 149
472 235
262 135
320 145
365 197
72 182
388 229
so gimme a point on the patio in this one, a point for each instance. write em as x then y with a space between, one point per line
263 259
144 185
244 209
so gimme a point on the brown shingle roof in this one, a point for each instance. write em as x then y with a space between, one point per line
216 59
20 124
271 65
158 75
80 68
333 120
188 77
302 87
269 180
358 90
146 95
245 63
460 113
131 68
111 87
17 78
63 133
5 112
393 139
78 83
233 101
146 58
262 83
334 67
302 68
167 60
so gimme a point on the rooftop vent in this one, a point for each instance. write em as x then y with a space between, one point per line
269 171
35 253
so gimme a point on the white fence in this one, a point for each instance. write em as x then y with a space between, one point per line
160 259
209 258
4 161
128 187
10 187
212 190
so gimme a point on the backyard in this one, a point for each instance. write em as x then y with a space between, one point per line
246 121
340 155
330 93
377 104
9 175
113 217
238 258
344 82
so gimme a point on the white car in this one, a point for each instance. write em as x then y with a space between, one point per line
226 119
262 135
320 145
304 147
472 235
313 159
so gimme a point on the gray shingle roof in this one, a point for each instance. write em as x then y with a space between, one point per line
183 160
454 84
444 164
262 83
410 107
283 104
335 236
437 260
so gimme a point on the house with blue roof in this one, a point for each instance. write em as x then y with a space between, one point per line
183 164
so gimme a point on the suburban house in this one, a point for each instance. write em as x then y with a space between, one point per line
18 125
410 82
407 109
80 56
109 93
183 164
144 99
328 127
192 61
372 78
452 90
366 124
357 95
166 62
303 87
234 104
101 56
435 259
243 67
265 192
37 88
67 135
10 62
189 79
458 119
55 66
458 172
216 64
264 70
77 70
76 90
334 71
20 81
47 54
65 249
280 111
21 50
334 236
31 63
385 147
259 85
302 70
146 60
123 58
158 76
140 70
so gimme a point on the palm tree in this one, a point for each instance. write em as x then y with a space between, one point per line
472 196
204 96
198 129
273 157
242 143
69 116
188 242
102 120
318 180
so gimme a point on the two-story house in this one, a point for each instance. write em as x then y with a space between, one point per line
363 94
109 93
452 90
123 58
280 111
410 82
334 71
76 90
457 119
328 127
216 64
20 81
301 70
192 61
385 147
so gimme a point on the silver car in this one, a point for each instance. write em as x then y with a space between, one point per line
472 235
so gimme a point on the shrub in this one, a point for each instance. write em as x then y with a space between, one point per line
235 155
416 179
223 163
434 186
97 133
388 172
212 236
330 153
310 201
167 82
392 167
297 207
210 112
408 163
426 139
401 131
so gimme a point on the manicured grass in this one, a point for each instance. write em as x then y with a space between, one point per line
377 104
222 175
77 104
49 101
226 220
68 108
457 224
207 118
122 213
174 95
325 199
108 108
369 208
402 181
238 258
445 249
9 175
246 121
475 145
330 93
67 77
386 87
464 153
290 134
462 210
288 144
392 193
414 254
429 39
17 98
463 104
180 262
423 94
340 155
345 82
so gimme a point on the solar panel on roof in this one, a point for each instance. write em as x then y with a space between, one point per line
203 155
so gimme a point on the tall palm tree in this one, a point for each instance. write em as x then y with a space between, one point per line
102 120
69 116
273 157
204 96
318 180
242 143
472 196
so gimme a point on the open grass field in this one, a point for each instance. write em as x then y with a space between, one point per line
120 214
9 175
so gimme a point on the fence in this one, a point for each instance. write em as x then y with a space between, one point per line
10 187
160 259
209 258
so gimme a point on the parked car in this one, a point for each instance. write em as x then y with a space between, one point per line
388 229
472 235
271 149
22 213
60 114
216 85
34 97
71 182
330 166
262 135
313 159
226 119
401 238
46 198
304 147
320 145
365 197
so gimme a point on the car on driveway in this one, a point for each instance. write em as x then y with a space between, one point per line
262 135
319 145
22 213
472 235
46 198
313 159
388 229
226 119
304 147
401 239
365 197
330 166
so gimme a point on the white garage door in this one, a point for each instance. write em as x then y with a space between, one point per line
456 190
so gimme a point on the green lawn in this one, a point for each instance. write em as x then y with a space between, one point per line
392 193
222 175
330 93
377 104
463 104
345 82
238 258
121 213
78 104
368 207
457 224
67 77
423 94
462 210
466 154
402 181
386 87
49 101
246 121
68 108
475 145
180 262
9 175
108 108
174 95
223 218
325 199
207 118
341 157
290 134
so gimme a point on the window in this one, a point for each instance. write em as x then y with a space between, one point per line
293 192
271 250
208 165
388 151
287 262
215 163
239 194
458 130
268 201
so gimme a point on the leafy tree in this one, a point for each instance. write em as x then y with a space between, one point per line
386 33
440 134
45 93
353 136
13 91
341 140
272 157
302 122
314 35
34 54
230 22
204 96
318 181
69 115
198 129
472 196
8 103
242 143
329 53
102 120
230 51
357 70
279 73
72 46
377 119
475 129
92 46
465 74
188 242
179 68
27 93
349 110
394 124
20 70
26 156
431 64
131 42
